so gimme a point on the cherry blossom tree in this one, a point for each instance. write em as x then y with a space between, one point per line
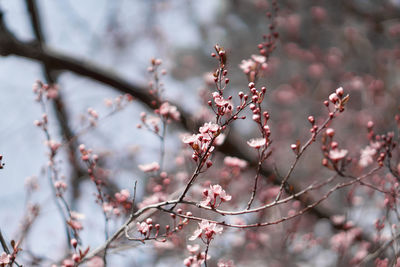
289 155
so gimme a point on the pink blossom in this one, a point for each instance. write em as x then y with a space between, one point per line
154 198
256 142
220 101
330 132
318 13
343 240
316 70
107 207
209 230
77 216
122 196
151 167
333 98
235 162
93 113
337 154
143 227
259 59
339 91
196 260
209 127
212 194
193 249
53 145
361 253
4 259
60 185
52 92
190 139
338 219
382 263
169 111
153 120
366 157
249 65
220 139
201 142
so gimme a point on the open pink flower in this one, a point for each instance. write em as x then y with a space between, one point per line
4 259
209 127
193 249
208 229
256 142
122 196
224 106
190 139
337 154
259 59
256 61
366 157
213 194
169 111
151 167
235 162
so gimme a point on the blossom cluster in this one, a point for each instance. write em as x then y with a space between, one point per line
197 258
253 65
203 142
214 196
206 230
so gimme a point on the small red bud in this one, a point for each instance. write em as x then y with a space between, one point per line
76 257
74 242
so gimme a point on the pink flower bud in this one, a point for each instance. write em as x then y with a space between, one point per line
209 164
333 98
81 148
330 132
74 242
256 117
340 91
76 257
334 145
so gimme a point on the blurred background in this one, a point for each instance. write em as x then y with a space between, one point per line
322 45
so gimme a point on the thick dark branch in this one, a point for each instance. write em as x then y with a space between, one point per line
35 20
